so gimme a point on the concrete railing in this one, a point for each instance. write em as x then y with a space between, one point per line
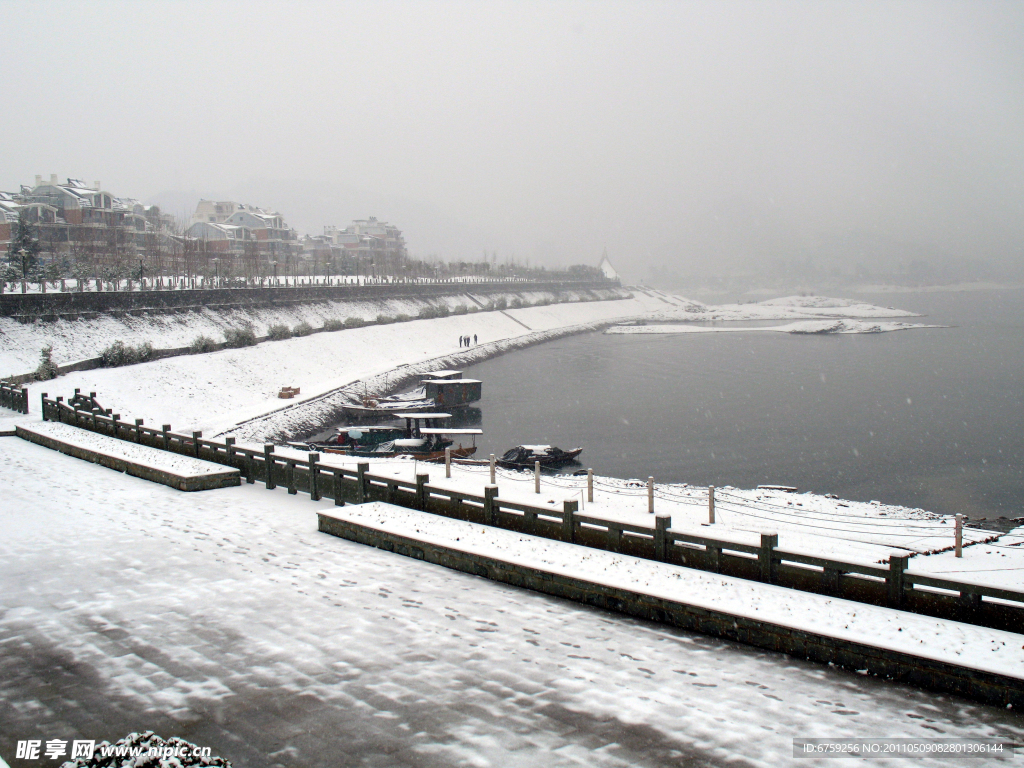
889 584
14 398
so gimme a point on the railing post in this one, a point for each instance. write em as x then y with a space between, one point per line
229 448
711 505
830 581
661 523
569 508
536 477
42 403
448 462
138 430
314 477
959 534
650 495
490 493
290 474
196 438
766 557
590 485
339 486
363 493
268 466
895 583
166 437
492 469
56 409
114 419
421 491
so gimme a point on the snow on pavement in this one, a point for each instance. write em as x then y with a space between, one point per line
225 617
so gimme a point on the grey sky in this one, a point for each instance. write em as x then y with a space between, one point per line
701 135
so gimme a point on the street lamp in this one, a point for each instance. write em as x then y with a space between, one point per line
275 271
141 276
216 266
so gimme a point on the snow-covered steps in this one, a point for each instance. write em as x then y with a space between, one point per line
182 472
975 662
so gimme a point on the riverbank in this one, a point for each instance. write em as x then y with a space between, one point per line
220 391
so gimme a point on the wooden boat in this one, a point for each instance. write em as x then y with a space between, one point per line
525 456
420 438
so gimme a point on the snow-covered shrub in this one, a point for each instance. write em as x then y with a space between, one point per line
460 309
278 332
401 318
201 344
244 336
334 324
517 303
472 308
302 329
47 368
499 303
430 311
384 319
119 353
354 322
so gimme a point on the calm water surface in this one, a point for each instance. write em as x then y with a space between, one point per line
927 418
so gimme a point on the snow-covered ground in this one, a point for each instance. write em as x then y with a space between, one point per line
226 618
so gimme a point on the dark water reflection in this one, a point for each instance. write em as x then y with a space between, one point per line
928 418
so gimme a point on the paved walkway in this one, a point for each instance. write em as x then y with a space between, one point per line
224 617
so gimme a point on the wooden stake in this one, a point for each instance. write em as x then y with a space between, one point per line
590 485
959 535
650 495
711 505
536 477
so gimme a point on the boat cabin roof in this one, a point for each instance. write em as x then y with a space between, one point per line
368 429
451 381
434 431
416 416
444 374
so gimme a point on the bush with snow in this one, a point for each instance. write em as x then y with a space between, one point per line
334 324
245 336
302 329
119 353
201 344
279 332
47 368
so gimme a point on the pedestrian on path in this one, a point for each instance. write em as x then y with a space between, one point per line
474 338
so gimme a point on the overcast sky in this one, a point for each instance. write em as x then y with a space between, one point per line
699 135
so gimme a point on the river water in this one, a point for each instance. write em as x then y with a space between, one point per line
927 418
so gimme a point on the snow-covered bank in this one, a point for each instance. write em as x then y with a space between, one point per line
214 392
803 326
74 340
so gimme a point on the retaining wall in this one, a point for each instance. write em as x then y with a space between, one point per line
72 304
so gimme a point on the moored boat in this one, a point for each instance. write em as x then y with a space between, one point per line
526 456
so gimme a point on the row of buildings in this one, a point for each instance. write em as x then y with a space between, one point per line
86 223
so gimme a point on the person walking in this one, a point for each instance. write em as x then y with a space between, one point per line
474 339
